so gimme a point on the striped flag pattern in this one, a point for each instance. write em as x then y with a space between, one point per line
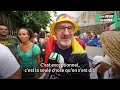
113 26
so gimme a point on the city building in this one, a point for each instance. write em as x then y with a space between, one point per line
87 20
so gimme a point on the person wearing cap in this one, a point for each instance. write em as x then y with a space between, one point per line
111 45
63 48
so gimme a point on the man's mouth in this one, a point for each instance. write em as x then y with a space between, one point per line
65 39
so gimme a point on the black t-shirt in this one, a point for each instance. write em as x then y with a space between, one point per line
65 54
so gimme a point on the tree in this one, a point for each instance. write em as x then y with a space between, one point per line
36 20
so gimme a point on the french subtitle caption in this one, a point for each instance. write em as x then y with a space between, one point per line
60 68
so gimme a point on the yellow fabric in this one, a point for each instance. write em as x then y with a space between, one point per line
54 37
77 48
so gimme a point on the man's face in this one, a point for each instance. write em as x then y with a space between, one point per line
3 30
64 33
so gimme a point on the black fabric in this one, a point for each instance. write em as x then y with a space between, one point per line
28 75
65 53
42 48
82 61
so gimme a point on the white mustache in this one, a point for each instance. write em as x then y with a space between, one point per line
65 37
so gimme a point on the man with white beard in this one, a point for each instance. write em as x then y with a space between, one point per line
64 48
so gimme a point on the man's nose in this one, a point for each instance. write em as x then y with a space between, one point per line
66 31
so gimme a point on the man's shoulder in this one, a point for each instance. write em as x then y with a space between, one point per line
14 37
4 50
2 46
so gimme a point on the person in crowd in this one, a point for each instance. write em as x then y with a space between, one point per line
36 38
63 48
48 35
9 67
98 36
41 37
95 36
10 41
29 54
91 36
111 60
77 36
42 44
44 37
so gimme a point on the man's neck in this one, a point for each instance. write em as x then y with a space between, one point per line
63 47
3 36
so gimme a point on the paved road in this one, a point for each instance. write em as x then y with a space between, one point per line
93 51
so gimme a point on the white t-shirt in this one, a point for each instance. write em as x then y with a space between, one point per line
98 59
35 39
8 63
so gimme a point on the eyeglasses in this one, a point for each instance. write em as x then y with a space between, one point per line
63 28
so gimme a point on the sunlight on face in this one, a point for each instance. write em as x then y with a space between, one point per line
64 33
23 35
3 30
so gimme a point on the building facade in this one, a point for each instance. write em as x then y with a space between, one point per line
87 21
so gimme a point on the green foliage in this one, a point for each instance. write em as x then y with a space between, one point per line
33 19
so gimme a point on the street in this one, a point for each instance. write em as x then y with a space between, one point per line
93 51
